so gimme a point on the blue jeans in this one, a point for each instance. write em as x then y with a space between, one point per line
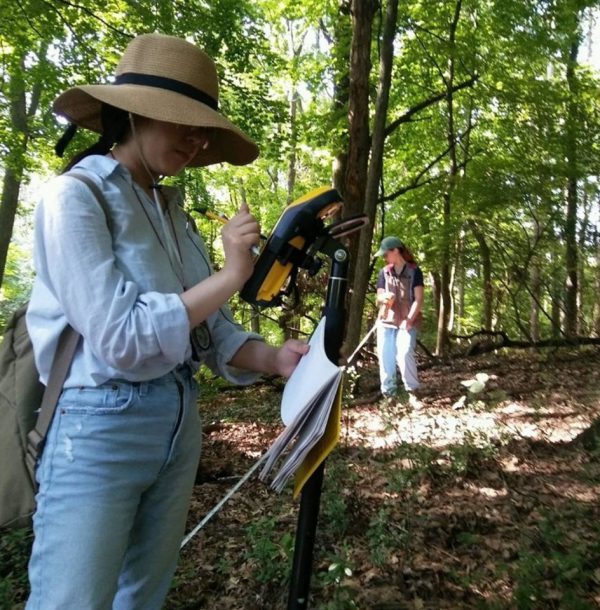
396 347
115 481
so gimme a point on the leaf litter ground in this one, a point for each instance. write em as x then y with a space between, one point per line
489 503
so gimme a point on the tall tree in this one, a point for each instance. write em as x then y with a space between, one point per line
374 173
21 110
572 126
31 36
453 177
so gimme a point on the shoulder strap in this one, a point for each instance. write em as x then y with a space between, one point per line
386 270
99 196
65 351
412 270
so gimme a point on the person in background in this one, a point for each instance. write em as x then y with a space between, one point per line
400 302
129 273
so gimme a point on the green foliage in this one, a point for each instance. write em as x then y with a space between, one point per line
15 546
511 127
336 514
339 570
554 565
269 551
381 536
16 287
414 463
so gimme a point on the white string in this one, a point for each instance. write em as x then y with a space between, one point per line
172 251
252 470
226 497
361 344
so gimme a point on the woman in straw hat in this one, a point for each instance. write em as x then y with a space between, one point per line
133 278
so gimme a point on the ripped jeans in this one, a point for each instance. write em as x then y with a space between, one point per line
115 480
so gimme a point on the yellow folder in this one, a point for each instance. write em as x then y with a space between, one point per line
324 446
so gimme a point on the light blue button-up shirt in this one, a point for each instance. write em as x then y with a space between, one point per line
112 280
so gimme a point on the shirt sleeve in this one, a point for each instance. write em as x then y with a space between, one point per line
417 277
123 326
227 337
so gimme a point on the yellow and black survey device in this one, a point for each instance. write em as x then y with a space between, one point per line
287 248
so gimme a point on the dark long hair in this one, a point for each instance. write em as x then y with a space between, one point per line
407 255
115 128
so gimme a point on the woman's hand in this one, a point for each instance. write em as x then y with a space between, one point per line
288 356
239 235
262 358
384 298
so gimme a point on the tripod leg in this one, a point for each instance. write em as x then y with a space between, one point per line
305 540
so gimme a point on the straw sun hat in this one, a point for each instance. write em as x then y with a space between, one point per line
168 79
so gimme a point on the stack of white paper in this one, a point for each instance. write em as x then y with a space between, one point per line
305 407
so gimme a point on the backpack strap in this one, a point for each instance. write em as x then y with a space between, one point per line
65 351
98 195
63 357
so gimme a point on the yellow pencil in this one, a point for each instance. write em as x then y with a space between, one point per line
223 220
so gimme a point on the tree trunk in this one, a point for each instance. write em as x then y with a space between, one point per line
13 172
486 272
435 289
15 159
340 44
446 250
365 238
461 280
291 180
583 328
556 297
11 187
355 178
296 50
596 315
536 293
571 288
255 319
357 157
445 295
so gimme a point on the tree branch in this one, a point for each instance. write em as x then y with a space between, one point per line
407 116
503 340
416 182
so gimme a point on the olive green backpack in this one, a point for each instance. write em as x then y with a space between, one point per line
27 406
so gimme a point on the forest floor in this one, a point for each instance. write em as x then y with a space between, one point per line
492 503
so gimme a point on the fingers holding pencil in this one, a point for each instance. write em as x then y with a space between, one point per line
243 221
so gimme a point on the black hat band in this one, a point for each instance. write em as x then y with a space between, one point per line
163 82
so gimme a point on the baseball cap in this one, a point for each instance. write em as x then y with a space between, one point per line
388 243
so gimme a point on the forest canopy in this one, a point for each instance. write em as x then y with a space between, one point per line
471 129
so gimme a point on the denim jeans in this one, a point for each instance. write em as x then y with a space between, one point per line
396 347
115 480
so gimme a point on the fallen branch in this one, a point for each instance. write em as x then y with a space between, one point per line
503 340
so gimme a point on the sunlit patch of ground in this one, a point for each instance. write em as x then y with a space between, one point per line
386 425
477 507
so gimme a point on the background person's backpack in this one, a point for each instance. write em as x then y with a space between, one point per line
27 406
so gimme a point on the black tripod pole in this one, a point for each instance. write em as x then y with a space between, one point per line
334 312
